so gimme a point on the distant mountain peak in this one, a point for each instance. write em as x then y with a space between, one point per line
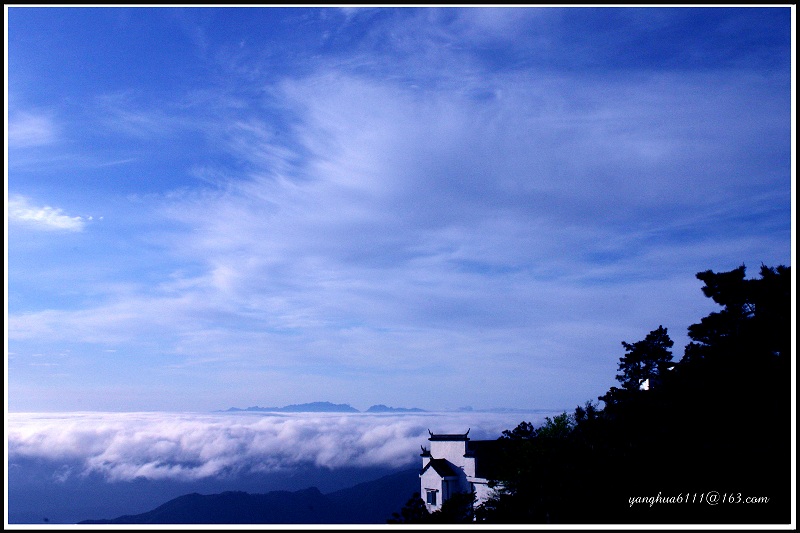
380 408
313 407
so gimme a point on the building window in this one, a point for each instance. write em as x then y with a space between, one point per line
431 497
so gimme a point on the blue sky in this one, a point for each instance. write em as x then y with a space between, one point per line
431 207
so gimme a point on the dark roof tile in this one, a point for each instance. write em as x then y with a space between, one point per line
443 467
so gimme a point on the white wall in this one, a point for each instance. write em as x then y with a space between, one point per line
453 451
431 480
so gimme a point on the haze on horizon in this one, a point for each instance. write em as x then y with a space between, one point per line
416 207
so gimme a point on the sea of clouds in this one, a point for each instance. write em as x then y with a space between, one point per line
194 446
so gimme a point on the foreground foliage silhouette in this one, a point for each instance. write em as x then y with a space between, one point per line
458 509
718 420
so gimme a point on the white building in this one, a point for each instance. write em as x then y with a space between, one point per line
454 464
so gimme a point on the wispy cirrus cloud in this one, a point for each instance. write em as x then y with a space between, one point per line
423 232
31 129
427 190
22 211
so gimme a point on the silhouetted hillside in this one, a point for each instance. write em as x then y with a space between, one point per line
367 503
373 502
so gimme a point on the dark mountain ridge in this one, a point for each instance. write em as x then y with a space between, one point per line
372 502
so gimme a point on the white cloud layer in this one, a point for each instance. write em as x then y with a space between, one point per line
21 211
179 446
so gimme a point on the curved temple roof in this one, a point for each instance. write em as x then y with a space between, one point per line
446 436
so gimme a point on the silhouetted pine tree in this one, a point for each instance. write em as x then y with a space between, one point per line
717 420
